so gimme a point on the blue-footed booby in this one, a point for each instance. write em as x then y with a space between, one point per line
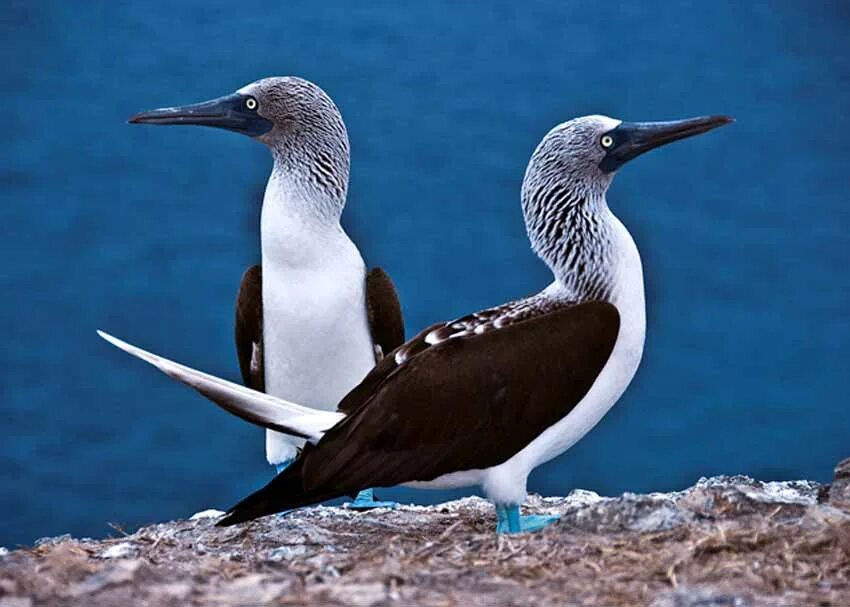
311 321
485 399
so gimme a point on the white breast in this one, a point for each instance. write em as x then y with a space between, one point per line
317 343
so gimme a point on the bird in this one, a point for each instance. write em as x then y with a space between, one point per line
486 398
311 321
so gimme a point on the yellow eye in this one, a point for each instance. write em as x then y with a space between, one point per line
607 141
251 103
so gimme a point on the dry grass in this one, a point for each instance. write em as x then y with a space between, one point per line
729 541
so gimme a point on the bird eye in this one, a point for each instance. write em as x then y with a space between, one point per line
607 141
251 103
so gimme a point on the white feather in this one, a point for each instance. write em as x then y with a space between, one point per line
239 399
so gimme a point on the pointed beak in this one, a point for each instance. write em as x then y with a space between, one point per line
230 112
631 139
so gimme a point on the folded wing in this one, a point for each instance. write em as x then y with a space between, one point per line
467 402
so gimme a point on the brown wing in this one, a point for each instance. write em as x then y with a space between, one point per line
384 312
469 402
249 328
478 323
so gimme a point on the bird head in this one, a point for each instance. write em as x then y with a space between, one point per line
293 117
572 167
588 151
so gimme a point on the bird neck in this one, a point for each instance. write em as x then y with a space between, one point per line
590 252
300 219
313 183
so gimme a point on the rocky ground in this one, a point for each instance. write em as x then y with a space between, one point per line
725 542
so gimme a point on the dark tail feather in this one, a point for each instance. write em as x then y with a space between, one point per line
284 492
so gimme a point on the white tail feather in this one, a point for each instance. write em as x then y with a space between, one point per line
256 407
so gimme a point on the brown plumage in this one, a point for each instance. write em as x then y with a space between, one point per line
384 312
420 419
249 328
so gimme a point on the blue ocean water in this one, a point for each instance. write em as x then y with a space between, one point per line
145 231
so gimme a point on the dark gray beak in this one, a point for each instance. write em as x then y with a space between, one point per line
232 112
631 139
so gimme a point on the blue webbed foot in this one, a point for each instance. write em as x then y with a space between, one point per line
365 500
509 520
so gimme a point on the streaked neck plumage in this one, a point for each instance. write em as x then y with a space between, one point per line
574 232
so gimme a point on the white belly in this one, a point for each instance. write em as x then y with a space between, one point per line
317 344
